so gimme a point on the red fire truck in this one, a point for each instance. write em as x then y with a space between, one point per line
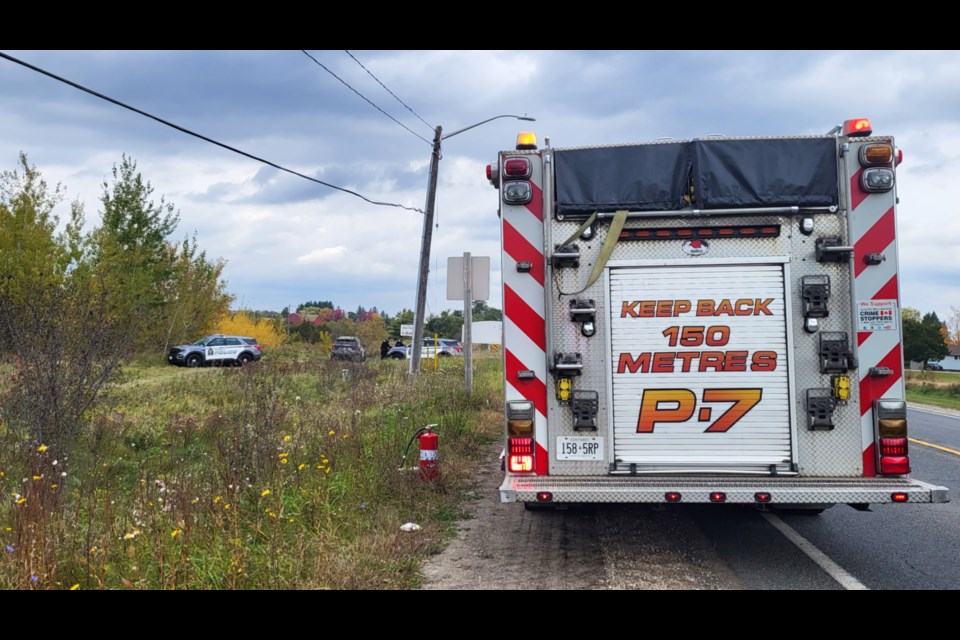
707 320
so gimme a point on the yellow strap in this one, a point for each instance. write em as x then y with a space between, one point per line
583 227
613 234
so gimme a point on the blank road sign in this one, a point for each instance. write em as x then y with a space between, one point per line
480 268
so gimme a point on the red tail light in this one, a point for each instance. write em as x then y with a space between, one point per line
718 496
490 173
763 497
672 496
517 167
890 420
899 497
257 347
893 446
520 459
544 496
894 465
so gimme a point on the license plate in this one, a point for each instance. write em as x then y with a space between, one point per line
579 448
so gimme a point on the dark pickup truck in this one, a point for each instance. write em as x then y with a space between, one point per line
348 348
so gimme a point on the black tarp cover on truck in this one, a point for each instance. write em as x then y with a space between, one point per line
725 173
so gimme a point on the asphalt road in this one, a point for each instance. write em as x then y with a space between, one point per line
896 546
892 547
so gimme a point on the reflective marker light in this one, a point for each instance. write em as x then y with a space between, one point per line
899 497
526 140
718 496
876 180
857 127
544 496
762 497
811 325
588 329
806 226
517 192
874 154
672 496
517 168
564 389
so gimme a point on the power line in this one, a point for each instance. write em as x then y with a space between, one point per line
200 135
409 108
369 101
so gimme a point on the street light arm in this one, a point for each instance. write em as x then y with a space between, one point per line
506 115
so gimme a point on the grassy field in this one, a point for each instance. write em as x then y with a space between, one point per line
280 475
940 388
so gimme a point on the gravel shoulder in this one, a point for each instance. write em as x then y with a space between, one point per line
503 546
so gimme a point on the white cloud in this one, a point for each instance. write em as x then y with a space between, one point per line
324 256
287 240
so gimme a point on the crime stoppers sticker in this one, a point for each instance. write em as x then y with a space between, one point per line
877 315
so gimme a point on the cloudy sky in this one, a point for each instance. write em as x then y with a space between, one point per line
287 240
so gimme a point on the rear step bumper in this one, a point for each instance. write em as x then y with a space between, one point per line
693 489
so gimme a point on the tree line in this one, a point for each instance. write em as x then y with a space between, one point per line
76 303
925 337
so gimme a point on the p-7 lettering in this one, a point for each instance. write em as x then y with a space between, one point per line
679 405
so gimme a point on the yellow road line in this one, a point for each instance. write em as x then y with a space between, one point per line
934 446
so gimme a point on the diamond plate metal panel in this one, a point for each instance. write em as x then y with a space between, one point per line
821 453
823 491
837 452
567 338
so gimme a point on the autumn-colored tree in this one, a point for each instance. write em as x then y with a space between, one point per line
371 330
241 323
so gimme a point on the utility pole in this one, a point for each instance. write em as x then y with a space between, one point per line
468 322
420 312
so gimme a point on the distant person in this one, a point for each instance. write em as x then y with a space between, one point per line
384 347
399 343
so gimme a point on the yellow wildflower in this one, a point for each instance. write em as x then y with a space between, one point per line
345 436
286 438
327 470
35 478
75 587
283 461
130 536
54 486
217 500
300 466
292 521
283 455
42 448
22 501
332 433
175 533
265 493
9 529
325 461
226 507
3 474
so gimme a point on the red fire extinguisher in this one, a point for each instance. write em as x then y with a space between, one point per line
429 460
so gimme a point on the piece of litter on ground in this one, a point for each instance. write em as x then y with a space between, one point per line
410 526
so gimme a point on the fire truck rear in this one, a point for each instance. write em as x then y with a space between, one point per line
707 320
